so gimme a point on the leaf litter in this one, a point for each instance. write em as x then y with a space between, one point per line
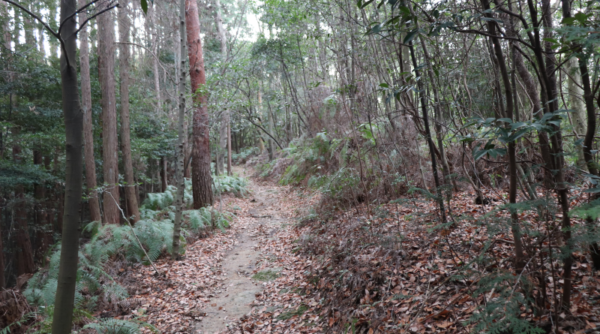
370 270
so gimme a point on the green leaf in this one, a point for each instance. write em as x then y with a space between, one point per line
144 4
517 125
404 10
516 135
568 21
409 37
592 190
581 17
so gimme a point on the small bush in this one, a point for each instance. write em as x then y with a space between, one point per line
230 184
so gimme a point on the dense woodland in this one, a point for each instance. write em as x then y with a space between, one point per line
473 121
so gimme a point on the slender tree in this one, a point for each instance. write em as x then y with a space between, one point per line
224 131
106 66
512 161
73 116
588 142
124 57
181 132
88 128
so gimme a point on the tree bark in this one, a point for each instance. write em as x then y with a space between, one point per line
224 132
577 104
110 148
201 178
181 132
67 272
124 55
88 128
163 174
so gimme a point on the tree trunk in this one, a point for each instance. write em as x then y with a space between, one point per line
577 104
163 174
588 97
201 178
181 129
152 18
428 138
225 118
110 148
512 160
88 128
67 272
124 55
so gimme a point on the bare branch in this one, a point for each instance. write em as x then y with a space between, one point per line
37 18
93 16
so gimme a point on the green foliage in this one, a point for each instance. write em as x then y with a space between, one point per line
315 156
206 218
244 155
502 312
12 175
224 184
117 326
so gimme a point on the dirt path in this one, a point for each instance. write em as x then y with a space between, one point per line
240 264
246 278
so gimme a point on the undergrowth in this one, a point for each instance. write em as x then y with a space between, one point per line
346 171
244 155
96 287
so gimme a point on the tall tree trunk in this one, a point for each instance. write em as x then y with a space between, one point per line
152 13
588 142
110 148
181 132
512 160
437 123
546 65
225 131
88 128
163 174
428 138
124 55
67 272
201 178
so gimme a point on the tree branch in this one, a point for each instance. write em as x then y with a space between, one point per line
93 16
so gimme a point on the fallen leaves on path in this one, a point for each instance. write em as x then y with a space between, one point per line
383 269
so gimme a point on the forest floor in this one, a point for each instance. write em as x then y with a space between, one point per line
232 273
369 269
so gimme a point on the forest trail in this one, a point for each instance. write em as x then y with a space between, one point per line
231 280
238 295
